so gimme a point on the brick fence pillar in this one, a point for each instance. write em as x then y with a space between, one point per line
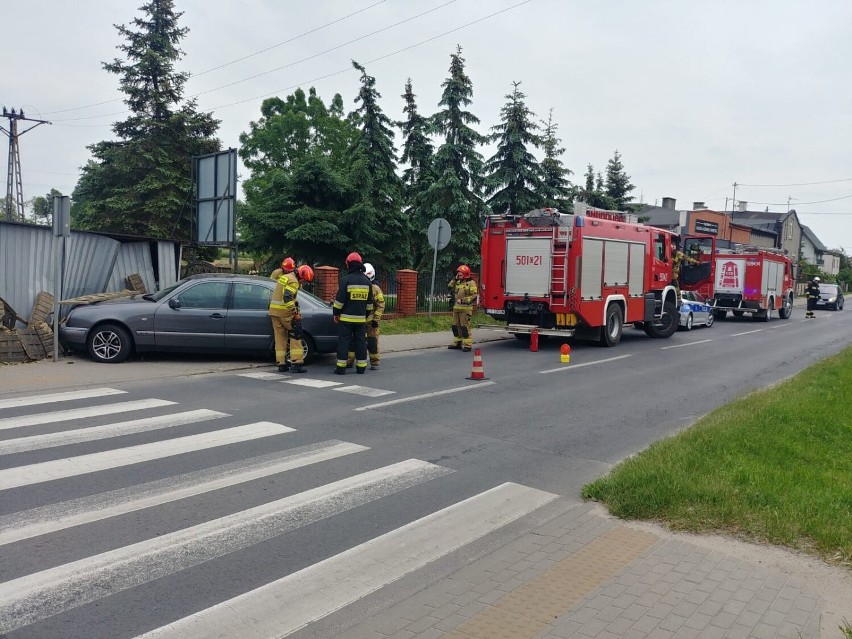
326 280
406 292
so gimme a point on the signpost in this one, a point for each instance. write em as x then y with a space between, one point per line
61 231
438 234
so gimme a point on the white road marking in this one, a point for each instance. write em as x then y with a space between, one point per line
568 367
62 468
414 398
265 376
313 383
32 400
701 341
747 332
29 599
364 390
51 440
284 606
53 517
79 413
779 325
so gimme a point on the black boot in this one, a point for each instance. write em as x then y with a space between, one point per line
298 368
339 370
454 347
283 368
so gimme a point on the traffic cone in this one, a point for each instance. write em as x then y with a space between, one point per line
477 372
565 354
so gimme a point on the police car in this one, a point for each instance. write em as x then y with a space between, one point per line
694 311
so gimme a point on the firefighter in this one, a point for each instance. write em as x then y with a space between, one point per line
352 305
464 297
677 262
372 322
285 316
812 293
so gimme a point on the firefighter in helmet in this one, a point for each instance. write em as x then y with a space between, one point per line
464 292
352 305
678 259
285 316
812 292
372 322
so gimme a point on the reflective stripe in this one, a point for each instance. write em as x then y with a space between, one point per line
353 319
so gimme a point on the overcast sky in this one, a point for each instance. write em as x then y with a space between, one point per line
694 95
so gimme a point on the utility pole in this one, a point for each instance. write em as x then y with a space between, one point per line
14 185
734 201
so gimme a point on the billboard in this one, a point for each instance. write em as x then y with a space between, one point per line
215 178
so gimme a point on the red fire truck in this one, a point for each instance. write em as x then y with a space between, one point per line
583 274
743 281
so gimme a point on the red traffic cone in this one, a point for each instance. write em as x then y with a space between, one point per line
477 372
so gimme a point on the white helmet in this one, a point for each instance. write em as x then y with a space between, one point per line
816 279
369 271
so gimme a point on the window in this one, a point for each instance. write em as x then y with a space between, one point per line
251 297
205 295
660 248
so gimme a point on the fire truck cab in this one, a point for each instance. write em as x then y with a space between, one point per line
585 274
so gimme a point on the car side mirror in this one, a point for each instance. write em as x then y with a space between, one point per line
174 303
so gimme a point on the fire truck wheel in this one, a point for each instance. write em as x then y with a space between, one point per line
667 325
611 330
787 308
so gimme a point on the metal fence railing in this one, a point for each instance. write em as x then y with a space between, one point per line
442 298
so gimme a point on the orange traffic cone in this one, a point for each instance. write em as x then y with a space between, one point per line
477 372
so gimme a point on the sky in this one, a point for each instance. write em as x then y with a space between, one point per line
695 96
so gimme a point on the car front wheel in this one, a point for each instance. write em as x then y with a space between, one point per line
109 344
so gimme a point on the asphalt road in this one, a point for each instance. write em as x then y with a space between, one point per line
124 511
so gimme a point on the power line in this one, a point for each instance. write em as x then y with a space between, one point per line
221 66
286 66
836 199
799 184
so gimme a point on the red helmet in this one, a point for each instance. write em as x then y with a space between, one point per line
305 273
288 264
464 271
353 257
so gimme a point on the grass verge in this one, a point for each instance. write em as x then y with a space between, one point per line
425 324
775 466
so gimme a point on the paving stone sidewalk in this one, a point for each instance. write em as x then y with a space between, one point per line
585 576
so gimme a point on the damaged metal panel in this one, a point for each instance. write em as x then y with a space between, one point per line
168 262
89 260
26 264
133 257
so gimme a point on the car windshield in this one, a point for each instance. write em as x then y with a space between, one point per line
156 297
831 289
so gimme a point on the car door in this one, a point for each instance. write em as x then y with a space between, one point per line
248 326
193 318
702 310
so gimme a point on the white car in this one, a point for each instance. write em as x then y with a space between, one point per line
694 311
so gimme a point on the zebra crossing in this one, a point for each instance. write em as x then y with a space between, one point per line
309 382
34 602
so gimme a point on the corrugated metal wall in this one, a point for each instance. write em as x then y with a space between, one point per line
93 264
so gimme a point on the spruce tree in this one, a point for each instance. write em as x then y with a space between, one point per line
377 225
456 193
141 182
556 188
514 177
617 185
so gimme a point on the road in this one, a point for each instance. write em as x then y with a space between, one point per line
191 504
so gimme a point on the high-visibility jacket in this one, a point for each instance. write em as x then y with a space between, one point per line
283 302
378 304
464 294
354 299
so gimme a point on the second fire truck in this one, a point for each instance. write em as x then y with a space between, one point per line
585 274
